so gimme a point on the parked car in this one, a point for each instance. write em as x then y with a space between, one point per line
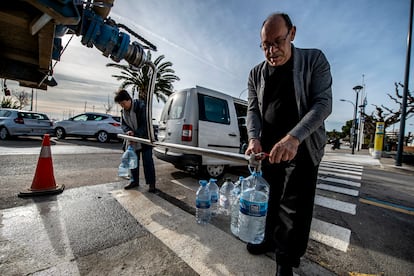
90 124
14 122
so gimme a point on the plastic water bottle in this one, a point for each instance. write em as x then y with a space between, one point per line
214 194
203 203
253 209
225 196
123 169
235 206
133 158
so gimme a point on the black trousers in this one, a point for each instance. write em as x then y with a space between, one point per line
290 209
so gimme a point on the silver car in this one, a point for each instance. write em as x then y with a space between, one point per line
14 122
90 124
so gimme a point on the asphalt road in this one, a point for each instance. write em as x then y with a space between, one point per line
382 239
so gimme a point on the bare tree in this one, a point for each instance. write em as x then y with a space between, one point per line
388 115
23 98
108 106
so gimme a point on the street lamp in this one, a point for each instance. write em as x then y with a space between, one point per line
354 136
351 135
241 93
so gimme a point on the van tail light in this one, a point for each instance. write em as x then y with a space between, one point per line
187 133
115 124
19 121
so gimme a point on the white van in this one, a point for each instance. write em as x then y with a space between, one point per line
204 118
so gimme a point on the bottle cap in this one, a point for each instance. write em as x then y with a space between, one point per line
203 182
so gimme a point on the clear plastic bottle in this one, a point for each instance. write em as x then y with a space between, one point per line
214 194
203 203
123 169
235 206
133 158
225 196
253 209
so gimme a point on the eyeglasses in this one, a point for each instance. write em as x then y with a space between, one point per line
267 45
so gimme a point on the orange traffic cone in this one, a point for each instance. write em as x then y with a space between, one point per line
44 179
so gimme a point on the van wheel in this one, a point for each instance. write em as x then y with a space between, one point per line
214 171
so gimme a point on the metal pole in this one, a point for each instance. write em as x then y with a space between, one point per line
400 147
31 102
354 123
150 95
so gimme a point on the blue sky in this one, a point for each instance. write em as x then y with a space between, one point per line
215 43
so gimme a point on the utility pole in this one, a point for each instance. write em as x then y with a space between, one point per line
357 89
361 112
400 146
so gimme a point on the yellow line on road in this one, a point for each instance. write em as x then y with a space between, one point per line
382 205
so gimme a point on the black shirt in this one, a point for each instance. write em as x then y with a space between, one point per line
280 112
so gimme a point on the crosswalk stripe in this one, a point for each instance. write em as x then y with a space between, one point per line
336 189
335 204
342 165
341 170
330 234
322 171
340 181
354 169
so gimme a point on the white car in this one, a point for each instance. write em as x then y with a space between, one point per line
90 124
14 122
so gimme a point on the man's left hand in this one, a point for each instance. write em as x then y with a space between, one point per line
284 150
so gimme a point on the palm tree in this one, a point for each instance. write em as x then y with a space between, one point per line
139 80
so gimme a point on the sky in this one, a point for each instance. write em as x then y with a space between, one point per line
215 43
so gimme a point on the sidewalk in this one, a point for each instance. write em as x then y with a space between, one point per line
363 157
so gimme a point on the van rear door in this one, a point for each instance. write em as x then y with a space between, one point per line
175 124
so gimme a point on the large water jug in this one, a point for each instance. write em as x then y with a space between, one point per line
225 197
132 157
235 206
123 168
214 193
253 209
203 203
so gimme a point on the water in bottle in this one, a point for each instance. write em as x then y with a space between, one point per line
203 203
253 209
133 158
235 206
123 169
225 196
214 193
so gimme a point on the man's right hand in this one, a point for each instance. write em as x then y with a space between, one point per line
254 147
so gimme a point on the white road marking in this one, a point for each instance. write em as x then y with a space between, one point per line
342 165
335 204
343 174
344 171
330 234
340 181
182 185
336 189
